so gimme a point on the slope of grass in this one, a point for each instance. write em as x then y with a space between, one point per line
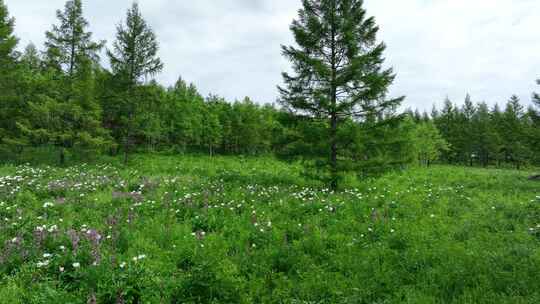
253 230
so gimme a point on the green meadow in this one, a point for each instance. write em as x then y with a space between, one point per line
195 229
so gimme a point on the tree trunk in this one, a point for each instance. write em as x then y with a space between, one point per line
334 114
128 135
62 156
333 153
126 149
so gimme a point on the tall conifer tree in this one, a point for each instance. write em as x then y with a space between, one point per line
338 69
484 137
134 53
535 120
513 134
467 132
9 106
69 45
8 41
66 113
133 57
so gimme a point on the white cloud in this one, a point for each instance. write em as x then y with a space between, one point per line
489 48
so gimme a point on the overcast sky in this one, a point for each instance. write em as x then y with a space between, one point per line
438 48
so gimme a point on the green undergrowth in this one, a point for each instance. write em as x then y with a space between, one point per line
196 229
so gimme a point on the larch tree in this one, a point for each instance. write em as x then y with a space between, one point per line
428 143
513 135
467 132
70 105
9 105
484 137
133 57
338 72
535 120
69 45
8 41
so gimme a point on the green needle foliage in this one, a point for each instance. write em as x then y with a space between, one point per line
63 110
133 57
9 102
428 143
68 44
134 53
8 41
338 70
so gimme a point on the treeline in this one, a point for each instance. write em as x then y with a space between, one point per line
334 113
477 134
63 97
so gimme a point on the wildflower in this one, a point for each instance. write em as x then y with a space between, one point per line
48 204
47 255
432 216
61 269
139 257
76 265
42 264
123 264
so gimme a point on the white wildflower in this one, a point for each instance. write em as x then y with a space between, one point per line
42 264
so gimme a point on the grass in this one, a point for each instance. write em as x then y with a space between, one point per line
254 230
